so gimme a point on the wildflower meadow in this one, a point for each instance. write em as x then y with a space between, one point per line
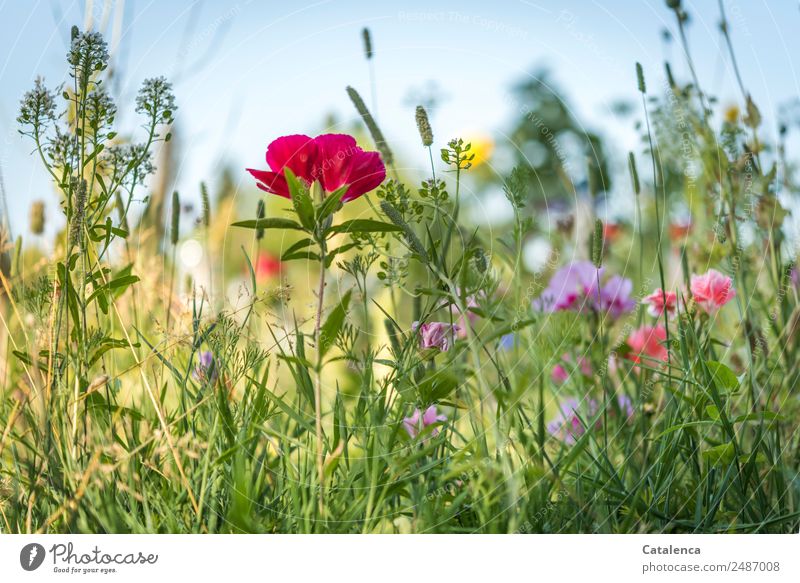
329 342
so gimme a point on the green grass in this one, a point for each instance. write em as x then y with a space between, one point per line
108 427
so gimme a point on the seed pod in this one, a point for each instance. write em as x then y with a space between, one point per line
592 178
37 217
481 262
753 118
597 244
261 212
121 211
206 203
174 233
411 237
670 77
424 126
640 78
16 264
369 121
79 213
367 43
634 173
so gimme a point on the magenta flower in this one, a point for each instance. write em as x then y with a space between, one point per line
419 421
436 334
712 290
333 160
560 374
660 300
575 287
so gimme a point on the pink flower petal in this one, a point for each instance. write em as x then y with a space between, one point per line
296 152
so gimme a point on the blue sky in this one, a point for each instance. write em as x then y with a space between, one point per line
249 71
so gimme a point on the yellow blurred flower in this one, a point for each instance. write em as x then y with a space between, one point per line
482 147
732 114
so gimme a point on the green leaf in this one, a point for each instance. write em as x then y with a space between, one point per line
310 255
301 200
331 203
117 285
437 385
675 428
330 330
270 223
723 377
760 416
332 254
301 244
720 454
364 226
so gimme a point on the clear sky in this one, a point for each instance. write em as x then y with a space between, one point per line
246 72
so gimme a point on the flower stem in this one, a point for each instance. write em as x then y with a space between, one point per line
318 384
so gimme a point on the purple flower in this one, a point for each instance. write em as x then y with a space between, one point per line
625 406
206 369
436 334
615 296
575 287
569 287
429 417
567 425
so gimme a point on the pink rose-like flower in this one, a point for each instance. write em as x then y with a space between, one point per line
647 344
436 334
333 160
418 421
712 290
660 300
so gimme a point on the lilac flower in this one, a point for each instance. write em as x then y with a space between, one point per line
429 417
436 334
615 296
575 287
567 425
206 369
625 406
568 287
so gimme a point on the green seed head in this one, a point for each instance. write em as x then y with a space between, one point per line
640 78
174 233
424 126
